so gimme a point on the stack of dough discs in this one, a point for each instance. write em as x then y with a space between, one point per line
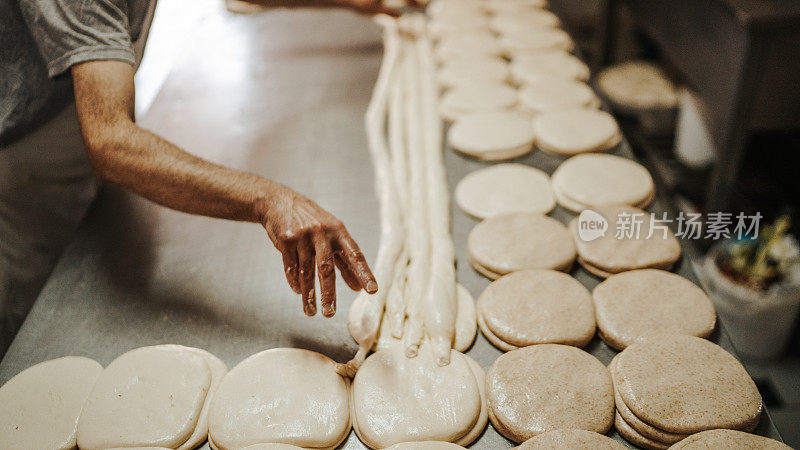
540 388
501 6
676 385
535 39
637 85
41 404
282 395
608 255
271 446
466 325
467 71
570 131
725 439
477 97
492 136
520 22
518 241
634 305
505 188
398 399
546 65
151 397
556 94
571 439
468 45
536 307
592 180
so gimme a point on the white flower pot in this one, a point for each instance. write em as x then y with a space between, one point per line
758 323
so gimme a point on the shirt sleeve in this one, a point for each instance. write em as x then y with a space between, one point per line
68 32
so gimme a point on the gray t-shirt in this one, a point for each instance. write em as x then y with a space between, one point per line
41 39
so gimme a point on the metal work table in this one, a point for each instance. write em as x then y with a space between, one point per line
281 94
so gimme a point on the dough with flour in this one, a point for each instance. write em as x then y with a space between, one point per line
535 40
468 45
147 397
477 97
556 94
467 71
41 404
593 180
282 395
545 65
520 21
571 439
569 131
505 188
398 399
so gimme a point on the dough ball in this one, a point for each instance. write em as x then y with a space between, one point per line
612 254
398 399
685 384
519 241
723 439
505 188
477 97
571 439
41 404
570 131
593 180
468 71
540 388
639 303
557 94
536 307
516 22
542 66
637 85
282 395
147 397
468 45
492 136
534 40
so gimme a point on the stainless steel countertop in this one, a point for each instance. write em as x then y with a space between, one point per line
281 94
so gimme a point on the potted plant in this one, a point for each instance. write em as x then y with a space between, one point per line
754 283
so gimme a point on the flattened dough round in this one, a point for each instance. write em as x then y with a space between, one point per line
468 45
545 65
425 445
540 388
598 179
685 384
477 97
456 24
467 71
271 447
725 439
556 94
41 404
519 241
613 255
571 439
283 395
147 397
505 188
499 6
636 304
521 21
535 40
442 8
398 399
629 434
537 307
637 85
492 135
570 131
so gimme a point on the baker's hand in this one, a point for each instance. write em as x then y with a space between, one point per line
310 238
373 6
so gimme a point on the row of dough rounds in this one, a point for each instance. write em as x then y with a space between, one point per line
501 108
546 395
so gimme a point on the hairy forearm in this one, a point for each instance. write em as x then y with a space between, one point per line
162 172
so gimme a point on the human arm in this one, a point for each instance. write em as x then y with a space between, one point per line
309 238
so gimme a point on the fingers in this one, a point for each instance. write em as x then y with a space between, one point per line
358 264
290 266
347 274
305 255
327 275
